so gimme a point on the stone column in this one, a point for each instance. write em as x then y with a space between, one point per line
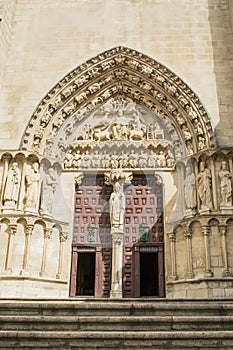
62 239
172 239
47 235
188 235
28 233
117 265
214 186
206 232
223 232
12 229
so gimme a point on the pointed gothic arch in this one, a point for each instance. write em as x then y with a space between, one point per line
115 75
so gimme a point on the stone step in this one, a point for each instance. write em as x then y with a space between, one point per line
101 307
116 340
116 323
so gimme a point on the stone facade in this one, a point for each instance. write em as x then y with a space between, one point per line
147 84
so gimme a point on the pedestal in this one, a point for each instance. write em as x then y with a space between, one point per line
117 264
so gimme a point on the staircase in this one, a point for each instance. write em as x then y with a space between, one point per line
116 324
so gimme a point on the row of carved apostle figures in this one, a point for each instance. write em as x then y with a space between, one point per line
161 158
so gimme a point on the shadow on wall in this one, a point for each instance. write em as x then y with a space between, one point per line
221 26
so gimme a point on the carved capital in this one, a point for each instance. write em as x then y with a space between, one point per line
222 230
118 175
172 237
12 229
78 178
63 237
205 230
188 233
28 229
47 233
117 238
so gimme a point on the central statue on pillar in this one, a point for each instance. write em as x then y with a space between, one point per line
117 178
117 207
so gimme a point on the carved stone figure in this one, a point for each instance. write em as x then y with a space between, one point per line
204 186
96 160
161 159
77 160
151 160
225 185
11 192
117 207
132 159
170 159
68 160
32 179
142 160
190 190
49 185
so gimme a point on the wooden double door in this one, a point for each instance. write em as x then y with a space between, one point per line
143 256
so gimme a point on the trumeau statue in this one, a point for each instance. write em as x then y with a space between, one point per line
190 190
117 207
32 179
49 185
225 185
11 192
204 187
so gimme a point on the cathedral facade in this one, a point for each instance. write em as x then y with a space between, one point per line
116 149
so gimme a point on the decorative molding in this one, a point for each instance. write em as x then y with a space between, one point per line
119 72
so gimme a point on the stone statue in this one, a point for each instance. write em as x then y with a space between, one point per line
49 185
68 160
11 192
225 185
117 207
32 179
204 186
190 190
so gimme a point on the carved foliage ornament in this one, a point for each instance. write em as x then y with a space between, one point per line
118 72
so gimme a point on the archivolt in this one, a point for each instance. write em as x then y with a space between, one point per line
119 72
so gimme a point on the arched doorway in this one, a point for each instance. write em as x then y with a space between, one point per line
120 111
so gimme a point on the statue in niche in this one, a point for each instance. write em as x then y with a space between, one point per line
11 192
204 186
225 185
189 190
49 185
117 207
32 179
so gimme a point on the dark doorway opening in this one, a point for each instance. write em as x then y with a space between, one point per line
86 274
149 274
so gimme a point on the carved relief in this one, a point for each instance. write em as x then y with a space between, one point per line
190 190
153 86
